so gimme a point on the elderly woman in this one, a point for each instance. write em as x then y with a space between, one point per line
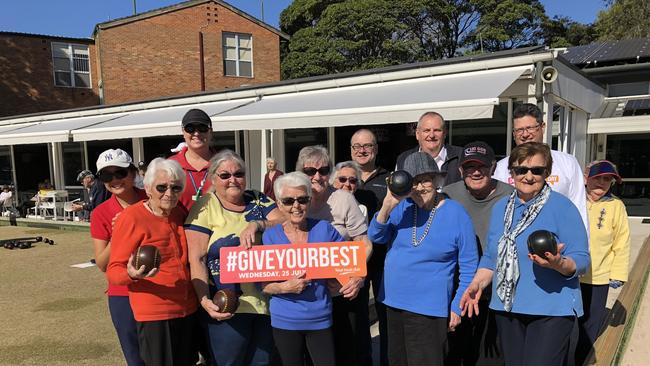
163 299
272 173
301 309
338 207
429 236
347 176
609 247
116 172
230 216
535 299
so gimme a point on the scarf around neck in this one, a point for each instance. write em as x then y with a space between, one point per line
507 267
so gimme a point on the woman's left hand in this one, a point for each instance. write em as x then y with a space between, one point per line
551 261
454 321
247 236
138 273
351 289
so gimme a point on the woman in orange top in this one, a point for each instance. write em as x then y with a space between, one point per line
163 300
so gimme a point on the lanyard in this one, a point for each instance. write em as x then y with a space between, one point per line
198 190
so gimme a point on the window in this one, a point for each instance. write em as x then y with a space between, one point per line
238 54
71 65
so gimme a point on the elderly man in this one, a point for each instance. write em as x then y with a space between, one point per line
85 207
566 176
430 133
371 192
474 341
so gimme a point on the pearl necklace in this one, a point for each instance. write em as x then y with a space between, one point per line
416 242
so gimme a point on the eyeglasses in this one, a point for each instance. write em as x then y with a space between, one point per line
162 188
197 127
107 176
226 176
523 170
359 147
289 201
324 170
529 129
344 180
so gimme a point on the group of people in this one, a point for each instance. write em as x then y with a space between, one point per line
448 263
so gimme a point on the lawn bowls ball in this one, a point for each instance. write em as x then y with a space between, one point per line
542 241
400 182
147 256
227 300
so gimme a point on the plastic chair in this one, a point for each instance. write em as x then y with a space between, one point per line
68 209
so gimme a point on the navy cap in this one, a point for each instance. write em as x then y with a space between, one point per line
477 151
603 167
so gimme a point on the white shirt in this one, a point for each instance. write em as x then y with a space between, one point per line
4 196
440 159
566 178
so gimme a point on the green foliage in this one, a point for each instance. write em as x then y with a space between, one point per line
564 32
624 19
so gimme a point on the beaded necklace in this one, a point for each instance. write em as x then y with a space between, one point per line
416 242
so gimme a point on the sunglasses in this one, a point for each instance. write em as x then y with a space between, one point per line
193 128
107 176
343 180
289 201
523 170
324 170
162 188
226 176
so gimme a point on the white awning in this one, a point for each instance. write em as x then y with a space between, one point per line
162 121
463 96
619 125
49 131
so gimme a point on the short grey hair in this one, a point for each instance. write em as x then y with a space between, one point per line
364 130
171 167
434 115
346 164
223 156
292 180
312 154
270 159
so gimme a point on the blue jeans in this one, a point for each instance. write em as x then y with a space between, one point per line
124 323
245 339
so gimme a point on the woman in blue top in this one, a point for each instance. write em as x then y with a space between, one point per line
301 309
429 236
536 300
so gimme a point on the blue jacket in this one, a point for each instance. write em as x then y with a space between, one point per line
542 291
421 279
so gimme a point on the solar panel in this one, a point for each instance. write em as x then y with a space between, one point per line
621 50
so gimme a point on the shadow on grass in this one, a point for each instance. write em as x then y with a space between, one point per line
66 304
42 350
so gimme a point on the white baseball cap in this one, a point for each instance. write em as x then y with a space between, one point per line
113 157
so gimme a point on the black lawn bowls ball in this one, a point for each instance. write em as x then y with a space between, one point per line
400 182
227 300
542 241
149 256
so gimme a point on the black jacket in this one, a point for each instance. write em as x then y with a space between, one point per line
450 166
371 193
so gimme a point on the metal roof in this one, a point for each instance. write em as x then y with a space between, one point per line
607 53
34 35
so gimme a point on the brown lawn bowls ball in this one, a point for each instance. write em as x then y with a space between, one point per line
227 300
149 256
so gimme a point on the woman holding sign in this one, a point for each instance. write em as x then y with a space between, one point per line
339 207
229 216
301 309
535 297
429 236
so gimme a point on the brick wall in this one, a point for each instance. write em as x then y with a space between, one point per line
27 77
159 56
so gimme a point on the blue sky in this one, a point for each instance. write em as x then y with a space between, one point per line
77 18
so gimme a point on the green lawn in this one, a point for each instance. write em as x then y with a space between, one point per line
50 313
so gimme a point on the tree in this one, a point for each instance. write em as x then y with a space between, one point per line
624 19
508 24
564 32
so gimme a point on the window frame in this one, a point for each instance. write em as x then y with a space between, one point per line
238 61
71 70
